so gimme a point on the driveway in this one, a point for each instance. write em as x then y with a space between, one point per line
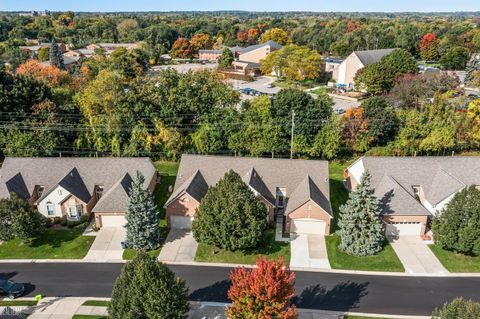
416 257
107 244
179 247
308 251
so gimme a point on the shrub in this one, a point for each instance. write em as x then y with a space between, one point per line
458 309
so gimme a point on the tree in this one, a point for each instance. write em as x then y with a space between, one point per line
328 140
381 120
49 74
354 129
143 218
262 292
230 216
126 26
400 62
429 47
226 59
43 54
296 63
276 34
19 220
476 40
457 227
473 67
148 289
182 49
208 139
200 41
360 224
377 78
56 57
459 308
455 58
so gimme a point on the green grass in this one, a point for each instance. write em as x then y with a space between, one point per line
97 303
129 254
167 172
359 317
88 317
338 192
52 244
455 262
386 260
17 303
301 85
269 248
320 91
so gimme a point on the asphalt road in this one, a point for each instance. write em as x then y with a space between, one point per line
326 291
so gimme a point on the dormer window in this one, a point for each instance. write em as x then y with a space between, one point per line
99 191
40 190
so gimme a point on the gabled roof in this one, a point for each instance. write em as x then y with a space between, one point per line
272 44
17 185
371 56
114 200
264 175
307 190
194 186
74 184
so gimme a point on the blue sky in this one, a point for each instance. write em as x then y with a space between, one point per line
250 5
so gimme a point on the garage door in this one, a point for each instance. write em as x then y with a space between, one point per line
308 226
403 229
181 222
113 221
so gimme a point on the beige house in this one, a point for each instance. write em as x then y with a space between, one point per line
294 191
412 190
248 61
344 73
74 187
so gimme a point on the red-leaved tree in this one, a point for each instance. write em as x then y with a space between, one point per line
429 47
263 292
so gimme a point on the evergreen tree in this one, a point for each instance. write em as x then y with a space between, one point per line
230 216
143 217
459 308
472 66
147 289
56 57
360 224
226 59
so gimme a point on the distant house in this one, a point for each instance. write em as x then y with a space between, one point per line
33 49
344 73
295 192
249 58
73 187
110 47
412 190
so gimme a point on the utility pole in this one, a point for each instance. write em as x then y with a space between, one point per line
291 139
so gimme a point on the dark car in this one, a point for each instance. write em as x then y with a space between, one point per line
11 289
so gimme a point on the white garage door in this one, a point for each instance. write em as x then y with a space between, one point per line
181 222
403 229
308 226
113 221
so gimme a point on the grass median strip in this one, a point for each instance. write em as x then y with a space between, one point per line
96 303
88 317
17 303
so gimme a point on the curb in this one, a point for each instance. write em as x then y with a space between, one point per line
60 261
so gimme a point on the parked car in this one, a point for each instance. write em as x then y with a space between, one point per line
339 111
11 289
246 91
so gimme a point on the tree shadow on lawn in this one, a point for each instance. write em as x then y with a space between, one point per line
343 297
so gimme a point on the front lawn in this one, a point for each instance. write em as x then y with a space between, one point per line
360 317
88 317
455 262
52 244
269 248
299 85
97 303
17 303
386 260
129 254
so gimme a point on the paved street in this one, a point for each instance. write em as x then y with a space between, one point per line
327 291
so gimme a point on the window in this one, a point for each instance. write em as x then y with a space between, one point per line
40 190
99 192
50 209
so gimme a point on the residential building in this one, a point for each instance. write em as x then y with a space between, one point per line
33 49
297 191
412 190
344 73
73 187
110 47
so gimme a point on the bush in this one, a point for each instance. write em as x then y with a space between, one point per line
458 226
230 216
458 309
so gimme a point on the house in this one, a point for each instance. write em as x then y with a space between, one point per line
73 187
248 62
412 190
330 63
295 190
33 49
344 73
110 47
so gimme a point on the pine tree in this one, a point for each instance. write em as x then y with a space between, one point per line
361 229
472 66
143 217
56 57
147 289
226 58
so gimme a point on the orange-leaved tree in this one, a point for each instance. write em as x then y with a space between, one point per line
49 74
263 292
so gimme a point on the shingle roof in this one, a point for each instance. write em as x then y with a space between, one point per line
78 175
272 44
264 175
115 199
371 56
305 191
439 177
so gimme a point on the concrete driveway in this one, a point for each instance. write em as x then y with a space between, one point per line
415 256
308 251
107 244
179 247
